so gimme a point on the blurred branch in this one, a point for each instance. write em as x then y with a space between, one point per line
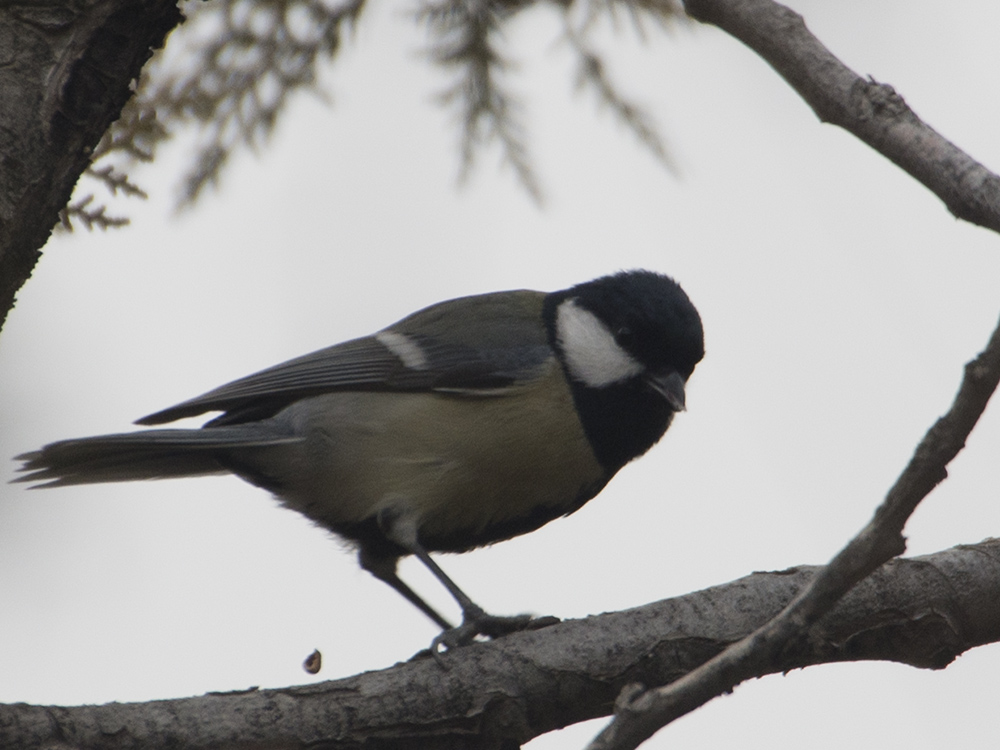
592 73
464 38
131 138
922 611
90 217
231 70
136 133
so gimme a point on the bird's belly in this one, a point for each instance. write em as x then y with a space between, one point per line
469 470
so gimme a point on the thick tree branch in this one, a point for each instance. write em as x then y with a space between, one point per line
922 611
65 73
872 111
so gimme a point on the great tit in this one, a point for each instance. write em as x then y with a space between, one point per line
466 423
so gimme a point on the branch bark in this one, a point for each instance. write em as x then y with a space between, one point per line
65 74
872 111
922 611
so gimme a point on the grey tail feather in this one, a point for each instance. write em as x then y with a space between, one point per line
148 454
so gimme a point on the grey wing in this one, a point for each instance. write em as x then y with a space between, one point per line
399 358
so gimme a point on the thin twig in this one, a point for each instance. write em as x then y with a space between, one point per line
639 714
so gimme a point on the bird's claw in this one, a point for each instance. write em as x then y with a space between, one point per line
477 622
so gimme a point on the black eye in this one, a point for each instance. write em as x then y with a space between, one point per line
624 336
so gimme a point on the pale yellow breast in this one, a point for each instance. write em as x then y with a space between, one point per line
450 461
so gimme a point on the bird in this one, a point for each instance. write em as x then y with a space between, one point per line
466 423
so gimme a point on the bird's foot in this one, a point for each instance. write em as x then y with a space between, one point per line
476 622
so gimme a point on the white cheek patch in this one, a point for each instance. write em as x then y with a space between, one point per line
592 355
408 351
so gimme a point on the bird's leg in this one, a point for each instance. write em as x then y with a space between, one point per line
384 568
475 620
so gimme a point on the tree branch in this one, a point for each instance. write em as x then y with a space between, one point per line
872 111
65 73
922 611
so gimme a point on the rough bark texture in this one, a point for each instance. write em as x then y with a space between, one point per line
922 611
65 74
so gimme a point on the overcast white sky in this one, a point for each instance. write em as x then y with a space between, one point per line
839 297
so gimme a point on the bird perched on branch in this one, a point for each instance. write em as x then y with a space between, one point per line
469 422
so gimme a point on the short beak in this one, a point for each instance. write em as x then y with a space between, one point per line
671 387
